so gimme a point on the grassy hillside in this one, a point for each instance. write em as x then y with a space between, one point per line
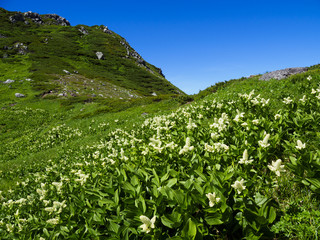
42 52
239 163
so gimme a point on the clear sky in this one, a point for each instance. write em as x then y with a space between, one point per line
198 43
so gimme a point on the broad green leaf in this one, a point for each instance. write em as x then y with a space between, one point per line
172 182
189 230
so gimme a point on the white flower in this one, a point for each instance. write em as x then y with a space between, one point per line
277 116
147 223
303 99
309 78
245 157
255 121
191 124
53 221
277 167
186 147
215 135
313 91
287 100
300 145
208 147
212 199
239 185
264 143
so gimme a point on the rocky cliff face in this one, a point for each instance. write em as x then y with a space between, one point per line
39 19
284 73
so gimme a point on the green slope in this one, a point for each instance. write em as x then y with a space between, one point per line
42 52
75 171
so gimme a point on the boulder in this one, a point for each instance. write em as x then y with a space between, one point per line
19 95
83 30
18 17
99 55
8 81
284 73
106 30
35 17
59 20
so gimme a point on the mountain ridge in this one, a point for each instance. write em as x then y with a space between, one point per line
48 50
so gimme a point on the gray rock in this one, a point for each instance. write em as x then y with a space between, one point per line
59 20
83 30
8 81
160 72
5 55
106 30
2 36
284 73
35 17
99 55
18 17
19 95
93 95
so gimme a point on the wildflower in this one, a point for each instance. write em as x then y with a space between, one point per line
186 147
245 158
255 121
53 221
215 135
239 185
191 124
277 167
300 145
309 78
277 116
303 99
58 185
147 223
208 147
238 116
264 143
313 91
212 199
287 100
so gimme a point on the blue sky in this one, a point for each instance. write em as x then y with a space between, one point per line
198 43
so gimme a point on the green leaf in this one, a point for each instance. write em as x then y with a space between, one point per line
214 219
172 182
167 222
189 230
114 227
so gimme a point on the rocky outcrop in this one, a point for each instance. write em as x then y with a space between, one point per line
2 36
99 55
59 20
8 81
19 95
106 30
37 18
18 17
83 30
22 49
284 73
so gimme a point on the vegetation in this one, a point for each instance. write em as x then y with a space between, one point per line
42 52
239 160
241 163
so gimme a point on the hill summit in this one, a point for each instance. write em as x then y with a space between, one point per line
60 60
